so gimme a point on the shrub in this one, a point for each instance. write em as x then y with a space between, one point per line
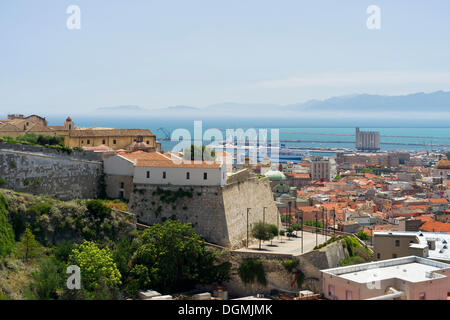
252 270
363 236
290 264
6 231
98 208
352 260
2 181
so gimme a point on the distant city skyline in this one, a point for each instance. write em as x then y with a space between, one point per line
155 54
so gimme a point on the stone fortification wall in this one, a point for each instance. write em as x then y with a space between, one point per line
217 213
39 170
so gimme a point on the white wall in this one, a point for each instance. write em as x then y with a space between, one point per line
119 166
177 176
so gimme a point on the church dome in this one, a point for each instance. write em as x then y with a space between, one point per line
275 175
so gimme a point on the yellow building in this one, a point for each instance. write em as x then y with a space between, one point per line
17 125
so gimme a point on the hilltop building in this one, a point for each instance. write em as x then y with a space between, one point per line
367 140
17 125
123 170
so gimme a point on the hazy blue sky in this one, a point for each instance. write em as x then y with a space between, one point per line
193 52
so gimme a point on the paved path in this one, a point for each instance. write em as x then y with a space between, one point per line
288 245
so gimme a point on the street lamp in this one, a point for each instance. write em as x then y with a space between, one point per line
248 210
301 217
289 225
316 228
264 215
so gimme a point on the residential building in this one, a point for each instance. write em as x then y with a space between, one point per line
407 278
396 244
323 169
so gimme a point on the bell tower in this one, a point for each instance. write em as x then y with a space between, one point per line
68 124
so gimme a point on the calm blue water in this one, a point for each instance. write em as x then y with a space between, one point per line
424 137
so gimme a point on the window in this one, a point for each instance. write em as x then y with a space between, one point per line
397 243
148 142
121 185
148 174
205 176
331 290
188 175
82 141
164 174
422 296
378 256
88 141
103 141
348 295
394 255
114 141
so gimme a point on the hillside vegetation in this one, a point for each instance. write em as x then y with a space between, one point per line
41 237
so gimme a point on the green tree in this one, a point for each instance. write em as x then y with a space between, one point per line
6 230
366 170
96 265
261 232
199 152
176 257
273 231
448 155
49 280
28 245
362 235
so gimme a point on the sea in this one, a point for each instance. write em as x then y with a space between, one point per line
304 136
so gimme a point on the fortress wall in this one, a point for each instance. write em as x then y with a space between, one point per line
204 209
217 213
50 173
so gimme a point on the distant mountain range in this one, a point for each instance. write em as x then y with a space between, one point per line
435 102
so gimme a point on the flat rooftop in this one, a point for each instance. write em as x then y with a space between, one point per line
411 269
441 240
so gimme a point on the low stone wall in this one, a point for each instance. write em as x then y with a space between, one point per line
81 155
51 173
277 277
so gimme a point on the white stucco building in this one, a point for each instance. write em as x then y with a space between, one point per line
141 167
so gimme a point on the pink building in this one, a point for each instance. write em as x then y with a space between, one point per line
407 278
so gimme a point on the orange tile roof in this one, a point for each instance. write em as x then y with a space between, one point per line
431 225
156 159
438 201
300 175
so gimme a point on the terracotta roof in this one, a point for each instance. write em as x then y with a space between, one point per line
142 155
438 201
171 164
431 225
110 132
156 159
300 175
